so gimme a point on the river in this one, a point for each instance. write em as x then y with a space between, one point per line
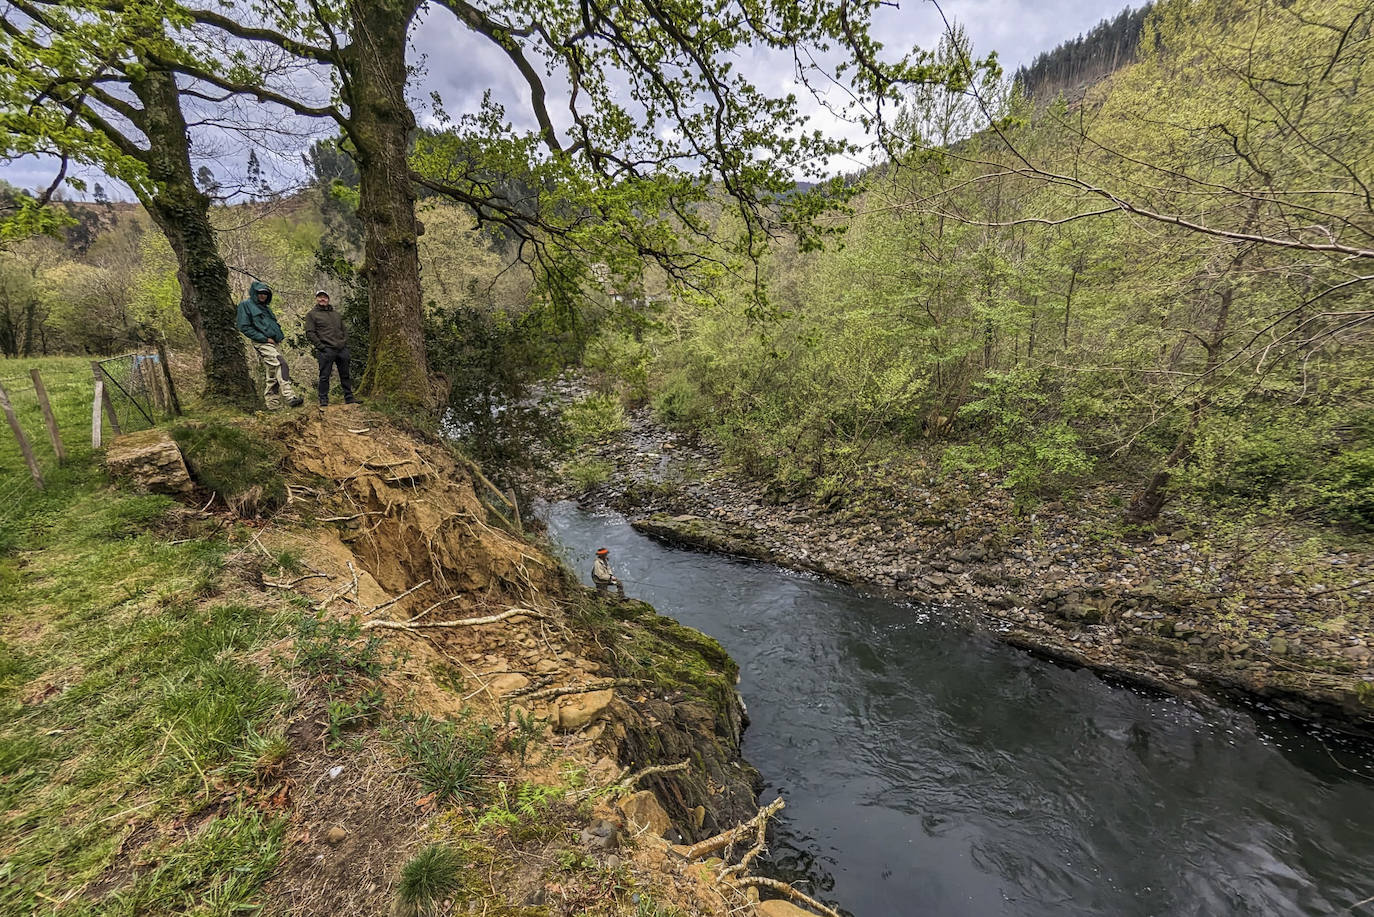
929 770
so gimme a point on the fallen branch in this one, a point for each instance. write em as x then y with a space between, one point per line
547 693
726 838
299 579
787 891
343 591
466 622
740 868
375 512
631 779
389 602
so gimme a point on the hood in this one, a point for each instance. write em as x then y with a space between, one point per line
258 287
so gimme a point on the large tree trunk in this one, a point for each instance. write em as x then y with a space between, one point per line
381 124
182 211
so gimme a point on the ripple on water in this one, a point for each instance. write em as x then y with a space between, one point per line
928 770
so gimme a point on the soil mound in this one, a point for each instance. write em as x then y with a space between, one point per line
410 509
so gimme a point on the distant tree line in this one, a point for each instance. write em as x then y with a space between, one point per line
1074 65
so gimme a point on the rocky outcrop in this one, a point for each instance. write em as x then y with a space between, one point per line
150 460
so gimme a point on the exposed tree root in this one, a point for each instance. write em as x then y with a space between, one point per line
466 622
787 891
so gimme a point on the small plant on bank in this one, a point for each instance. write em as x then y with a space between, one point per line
529 730
586 473
347 715
447 758
258 758
336 650
428 880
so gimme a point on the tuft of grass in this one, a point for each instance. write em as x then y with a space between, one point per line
447 758
428 880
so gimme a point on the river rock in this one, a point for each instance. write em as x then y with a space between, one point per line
151 460
505 684
643 812
779 908
580 709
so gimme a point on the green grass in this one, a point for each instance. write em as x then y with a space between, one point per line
127 700
70 389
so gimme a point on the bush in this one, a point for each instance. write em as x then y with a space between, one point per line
584 474
1346 488
680 404
594 417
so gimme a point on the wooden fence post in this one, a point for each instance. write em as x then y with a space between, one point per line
24 446
105 398
95 413
48 415
167 375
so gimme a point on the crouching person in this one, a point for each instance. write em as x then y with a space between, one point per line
602 575
325 331
258 323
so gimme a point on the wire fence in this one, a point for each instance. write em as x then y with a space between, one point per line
138 388
51 415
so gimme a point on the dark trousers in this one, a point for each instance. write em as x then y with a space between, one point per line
329 357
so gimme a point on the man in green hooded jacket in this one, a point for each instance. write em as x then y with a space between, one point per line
258 323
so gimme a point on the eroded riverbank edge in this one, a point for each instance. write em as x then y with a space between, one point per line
1150 611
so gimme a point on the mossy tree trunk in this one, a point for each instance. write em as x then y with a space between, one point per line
182 211
380 125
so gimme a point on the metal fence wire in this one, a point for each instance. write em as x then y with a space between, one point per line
136 384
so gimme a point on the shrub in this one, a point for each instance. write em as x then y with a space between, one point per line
1346 488
594 417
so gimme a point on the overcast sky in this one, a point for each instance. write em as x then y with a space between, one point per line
460 68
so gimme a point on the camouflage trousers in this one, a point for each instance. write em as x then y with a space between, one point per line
278 377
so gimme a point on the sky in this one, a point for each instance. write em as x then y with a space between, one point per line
460 68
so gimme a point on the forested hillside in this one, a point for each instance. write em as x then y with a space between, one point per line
1166 287
1076 64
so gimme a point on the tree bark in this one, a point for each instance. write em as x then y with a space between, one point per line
381 123
182 211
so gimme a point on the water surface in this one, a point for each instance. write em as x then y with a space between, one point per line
932 771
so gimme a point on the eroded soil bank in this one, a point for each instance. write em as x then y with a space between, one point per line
1256 614
470 729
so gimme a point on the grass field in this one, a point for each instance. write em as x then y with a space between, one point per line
125 693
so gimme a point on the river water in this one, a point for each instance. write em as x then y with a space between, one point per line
929 770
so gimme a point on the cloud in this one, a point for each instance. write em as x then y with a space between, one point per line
460 66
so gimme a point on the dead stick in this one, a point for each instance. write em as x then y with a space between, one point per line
472 466
441 602
299 579
788 891
352 517
548 693
726 838
632 779
466 622
389 602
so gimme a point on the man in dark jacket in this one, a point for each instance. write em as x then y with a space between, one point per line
325 331
259 325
